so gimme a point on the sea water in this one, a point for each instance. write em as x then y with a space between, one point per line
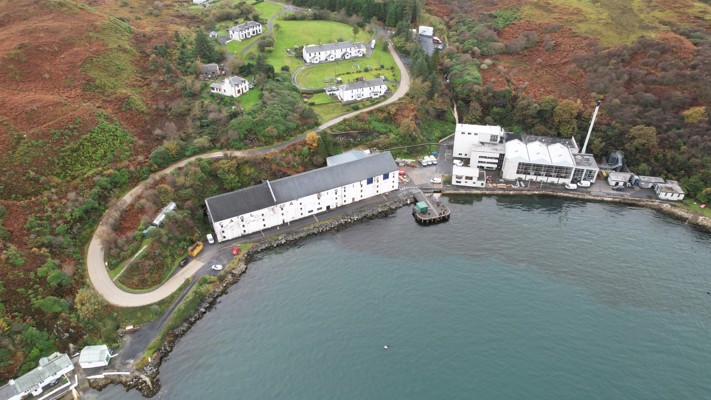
514 298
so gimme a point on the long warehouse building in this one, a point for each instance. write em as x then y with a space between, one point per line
281 201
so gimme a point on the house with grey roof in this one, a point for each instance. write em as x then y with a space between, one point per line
42 380
670 190
360 90
245 30
279 202
321 53
94 356
234 86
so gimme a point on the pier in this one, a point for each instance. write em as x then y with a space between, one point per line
429 209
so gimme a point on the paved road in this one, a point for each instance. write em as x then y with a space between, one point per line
98 274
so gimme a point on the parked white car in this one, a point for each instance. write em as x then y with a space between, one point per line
458 163
210 238
584 184
436 180
216 267
571 186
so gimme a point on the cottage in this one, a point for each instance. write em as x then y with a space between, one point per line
213 34
94 356
245 30
360 90
649 182
43 378
670 191
284 200
320 53
234 86
209 71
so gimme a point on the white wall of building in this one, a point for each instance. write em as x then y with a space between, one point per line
371 92
304 207
333 55
225 88
466 176
467 135
246 33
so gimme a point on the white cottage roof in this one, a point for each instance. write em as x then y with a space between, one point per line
362 84
315 48
245 26
48 367
94 354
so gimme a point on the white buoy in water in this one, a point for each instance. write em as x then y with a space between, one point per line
385 347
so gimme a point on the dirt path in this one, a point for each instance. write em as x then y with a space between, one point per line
99 275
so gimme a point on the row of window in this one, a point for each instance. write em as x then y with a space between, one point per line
550 171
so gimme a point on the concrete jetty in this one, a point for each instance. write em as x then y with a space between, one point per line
429 209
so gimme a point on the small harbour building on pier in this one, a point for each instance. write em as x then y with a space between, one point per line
278 202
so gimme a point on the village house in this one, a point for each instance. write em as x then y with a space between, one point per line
359 90
47 380
273 203
234 86
319 53
245 30
425 30
209 71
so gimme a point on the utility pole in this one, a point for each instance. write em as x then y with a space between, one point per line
597 107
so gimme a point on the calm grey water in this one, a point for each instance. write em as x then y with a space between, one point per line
515 298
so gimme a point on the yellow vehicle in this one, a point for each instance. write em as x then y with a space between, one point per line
195 249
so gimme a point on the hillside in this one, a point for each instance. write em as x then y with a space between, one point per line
539 66
78 105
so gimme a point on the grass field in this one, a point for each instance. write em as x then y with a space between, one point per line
323 75
268 10
300 33
249 99
613 21
327 107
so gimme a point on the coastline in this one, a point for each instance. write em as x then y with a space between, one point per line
146 379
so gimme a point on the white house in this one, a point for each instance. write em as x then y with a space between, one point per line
245 30
94 356
234 86
670 191
278 202
360 90
38 380
482 145
319 53
468 176
426 30
546 159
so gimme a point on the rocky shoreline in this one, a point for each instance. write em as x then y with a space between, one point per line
146 380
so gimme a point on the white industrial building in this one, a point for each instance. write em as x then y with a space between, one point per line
468 176
41 381
546 159
649 182
233 86
320 53
360 90
670 190
94 356
622 179
245 30
481 145
278 202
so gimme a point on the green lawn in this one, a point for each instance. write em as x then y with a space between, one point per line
323 75
267 10
251 98
327 108
692 205
236 46
300 33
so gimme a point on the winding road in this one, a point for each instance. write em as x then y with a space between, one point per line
98 273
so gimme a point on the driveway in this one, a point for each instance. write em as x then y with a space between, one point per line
99 275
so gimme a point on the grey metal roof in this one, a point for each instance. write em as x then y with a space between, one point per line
239 202
347 157
315 48
48 367
236 80
92 354
670 187
211 68
254 198
244 26
363 84
584 160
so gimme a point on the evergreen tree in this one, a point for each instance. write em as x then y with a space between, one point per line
204 49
